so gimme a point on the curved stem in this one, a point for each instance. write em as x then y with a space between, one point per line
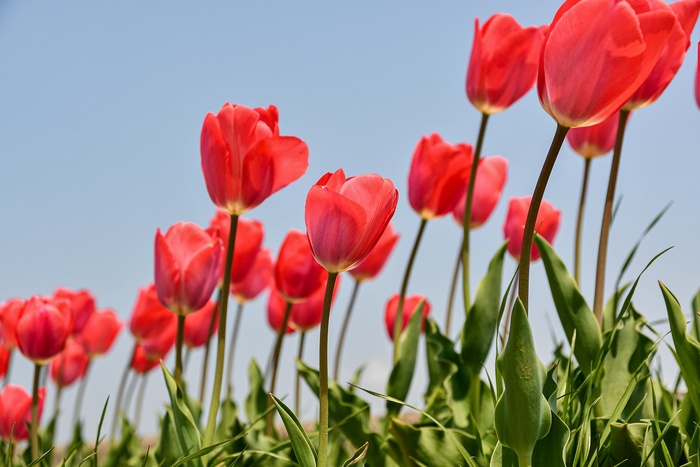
221 336
275 362
81 394
120 393
207 347
453 288
178 349
398 321
466 225
323 372
34 427
344 329
297 385
579 223
529 230
232 348
607 216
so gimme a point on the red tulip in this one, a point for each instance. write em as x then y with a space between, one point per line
490 179
345 217
245 160
373 263
4 360
503 63
597 53
149 318
438 176
297 274
307 314
276 306
410 306
143 362
99 333
672 55
187 265
82 305
197 325
9 314
159 346
258 278
16 411
547 224
249 237
595 140
42 328
70 365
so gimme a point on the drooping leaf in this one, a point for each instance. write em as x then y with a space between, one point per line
358 457
187 435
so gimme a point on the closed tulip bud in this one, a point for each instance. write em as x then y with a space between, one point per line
82 305
276 306
307 314
143 362
373 263
16 412
42 329
410 306
187 266
595 140
249 237
245 160
547 224
258 278
345 217
99 332
491 177
297 274
149 318
503 63
9 314
197 325
438 176
70 365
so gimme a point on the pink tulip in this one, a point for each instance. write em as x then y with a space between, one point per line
149 318
307 314
42 328
197 325
70 365
276 307
297 274
490 179
16 411
249 237
99 332
258 278
410 306
9 314
82 305
595 140
373 263
547 224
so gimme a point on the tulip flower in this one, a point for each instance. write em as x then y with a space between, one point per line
249 237
143 361
306 315
197 325
297 273
99 332
15 412
9 314
409 307
82 305
187 264
490 179
276 305
70 365
5 356
245 160
42 329
373 263
438 176
547 224
258 278
149 318
503 63
595 140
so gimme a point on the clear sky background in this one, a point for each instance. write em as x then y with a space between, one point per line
101 107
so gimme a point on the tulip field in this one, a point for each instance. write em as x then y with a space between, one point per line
540 331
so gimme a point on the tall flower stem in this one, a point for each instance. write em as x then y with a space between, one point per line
81 394
207 347
579 223
221 336
468 213
178 349
120 393
34 427
139 400
453 288
9 367
275 362
607 216
232 348
297 385
344 330
529 230
398 321
323 370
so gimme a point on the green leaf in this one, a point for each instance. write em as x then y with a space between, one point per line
303 449
187 435
522 413
400 379
357 457
256 402
695 331
426 445
574 313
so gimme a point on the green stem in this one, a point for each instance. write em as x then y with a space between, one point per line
466 225
453 288
529 230
607 217
120 393
509 310
178 349
398 321
297 385
323 372
34 427
139 400
130 392
344 329
232 348
275 363
9 367
81 394
579 223
221 337
207 347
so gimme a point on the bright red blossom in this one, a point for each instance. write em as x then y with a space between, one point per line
503 63
297 274
245 160
249 237
149 318
345 217
197 325
99 332
258 278
82 305
70 365
16 411
491 177
373 263
307 314
9 314
410 306
547 224
595 140
276 306
42 328
143 361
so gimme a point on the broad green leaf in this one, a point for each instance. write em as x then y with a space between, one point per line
303 449
482 320
522 413
695 332
550 450
610 310
187 435
167 452
256 402
427 445
402 374
357 457
574 313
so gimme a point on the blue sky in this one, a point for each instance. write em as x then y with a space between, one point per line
101 107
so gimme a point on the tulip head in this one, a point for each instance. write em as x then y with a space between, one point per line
491 177
70 365
547 224
81 303
9 314
149 318
42 328
197 325
16 411
99 332
258 278
373 263
410 306
595 140
297 274
307 314
249 237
